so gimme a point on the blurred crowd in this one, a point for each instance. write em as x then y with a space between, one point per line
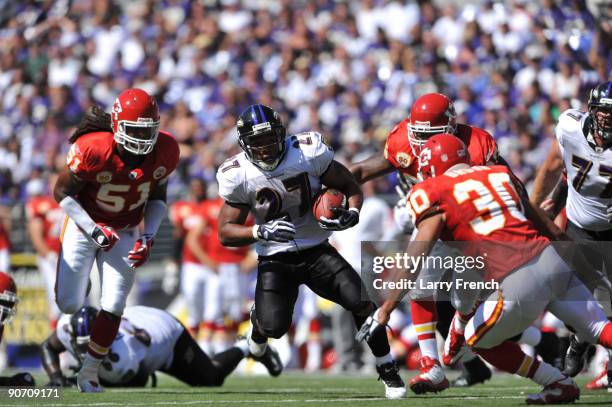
348 69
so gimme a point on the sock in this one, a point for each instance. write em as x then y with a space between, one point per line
381 360
424 318
378 343
90 366
256 347
103 334
509 357
313 362
460 322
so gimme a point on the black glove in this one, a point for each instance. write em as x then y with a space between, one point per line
279 230
344 219
368 328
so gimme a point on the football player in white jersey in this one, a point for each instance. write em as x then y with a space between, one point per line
276 179
149 340
583 150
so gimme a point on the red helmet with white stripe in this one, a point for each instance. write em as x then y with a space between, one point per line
440 153
135 121
431 114
8 298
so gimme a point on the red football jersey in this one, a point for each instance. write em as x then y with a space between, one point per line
399 153
210 213
52 216
115 195
481 205
184 215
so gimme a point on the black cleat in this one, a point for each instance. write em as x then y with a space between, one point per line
575 357
474 372
394 385
271 361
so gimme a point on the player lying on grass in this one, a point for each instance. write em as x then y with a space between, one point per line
482 206
149 340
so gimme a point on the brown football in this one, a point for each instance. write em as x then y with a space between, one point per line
325 201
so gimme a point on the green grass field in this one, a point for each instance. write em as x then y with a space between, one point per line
299 389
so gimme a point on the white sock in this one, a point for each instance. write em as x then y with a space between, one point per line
429 347
90 366
546 374
256 349
459 324
243 346
314 355
381 360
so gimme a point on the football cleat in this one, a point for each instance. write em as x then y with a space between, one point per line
575 357
600 382
431 379
454 346
88 383
394 385
474 372
271 360
560 392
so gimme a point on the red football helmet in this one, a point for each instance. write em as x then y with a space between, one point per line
440 153
8 298
432 113
135 121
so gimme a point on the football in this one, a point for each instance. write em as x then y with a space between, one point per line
325 201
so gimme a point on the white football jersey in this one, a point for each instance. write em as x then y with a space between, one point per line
589 173
287 190
128 353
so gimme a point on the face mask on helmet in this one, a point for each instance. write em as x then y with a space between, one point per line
8 307
600 112
264 144
137 137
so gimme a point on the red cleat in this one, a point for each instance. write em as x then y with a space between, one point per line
560 392
600 382
454 346
431 379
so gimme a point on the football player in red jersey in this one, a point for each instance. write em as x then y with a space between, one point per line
115 178
486 205
45 219
8 309
431 114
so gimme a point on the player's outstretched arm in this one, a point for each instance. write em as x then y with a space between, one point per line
51 348
232 231
547 177
370 168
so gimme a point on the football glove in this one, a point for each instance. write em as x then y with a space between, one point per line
140 252
279 230
105 237
344 219
368 328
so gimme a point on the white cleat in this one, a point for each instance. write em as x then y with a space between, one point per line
88 384
394 385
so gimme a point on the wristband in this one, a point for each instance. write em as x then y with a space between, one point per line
354 210
255 230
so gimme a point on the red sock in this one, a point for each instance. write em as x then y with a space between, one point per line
510 358
425 318
605 338
103 334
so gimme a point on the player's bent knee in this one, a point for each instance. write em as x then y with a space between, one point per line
68 305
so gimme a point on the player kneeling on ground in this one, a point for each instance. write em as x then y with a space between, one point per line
149 340
483 204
